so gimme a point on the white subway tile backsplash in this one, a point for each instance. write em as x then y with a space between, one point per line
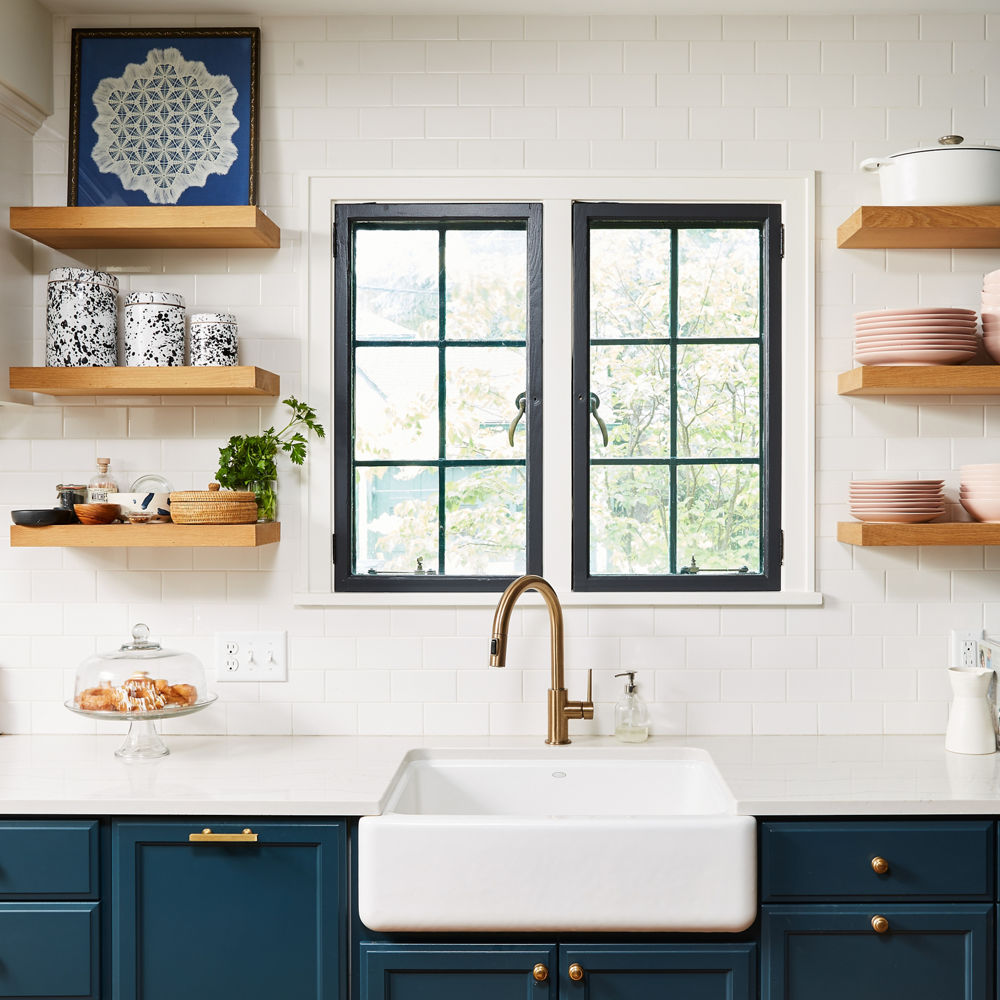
722 57
589 123
689 27
424 26
694 90
634 90
590 57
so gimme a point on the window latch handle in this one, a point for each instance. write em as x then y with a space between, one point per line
595 402
521 402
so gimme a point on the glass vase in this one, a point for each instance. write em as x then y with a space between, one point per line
266 491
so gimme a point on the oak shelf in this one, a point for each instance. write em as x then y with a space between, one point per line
235 380
156 536
914 380
147 227
948 533
921 227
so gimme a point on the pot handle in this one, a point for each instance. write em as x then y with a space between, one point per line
871 164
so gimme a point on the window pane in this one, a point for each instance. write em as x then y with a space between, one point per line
396 284
629 283
483 384
395 403
632 385
396 517
486 281
629 519
485 525
718 516
718 400
718 292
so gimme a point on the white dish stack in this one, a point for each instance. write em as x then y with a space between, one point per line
931 336
991 314
897 501
979 491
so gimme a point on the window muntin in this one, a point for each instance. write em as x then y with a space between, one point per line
677 350
437 342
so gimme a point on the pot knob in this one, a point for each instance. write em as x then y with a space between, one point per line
951 140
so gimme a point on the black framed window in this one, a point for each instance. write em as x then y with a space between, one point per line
437 396
676 397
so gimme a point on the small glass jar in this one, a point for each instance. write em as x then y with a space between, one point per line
214 340
154 329
81 318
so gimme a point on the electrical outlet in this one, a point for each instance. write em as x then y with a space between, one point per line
251 656
963 648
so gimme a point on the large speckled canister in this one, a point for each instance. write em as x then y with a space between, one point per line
213 339
154 328
81 318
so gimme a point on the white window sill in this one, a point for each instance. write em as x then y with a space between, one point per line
568 600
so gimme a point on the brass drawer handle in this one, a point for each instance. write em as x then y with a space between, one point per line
540 972
880 925
207 837
576 972
879 865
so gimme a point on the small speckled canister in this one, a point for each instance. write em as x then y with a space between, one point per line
213 339
81 318
154 328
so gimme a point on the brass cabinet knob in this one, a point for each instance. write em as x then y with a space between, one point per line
880 925
576 972
879 865
540 972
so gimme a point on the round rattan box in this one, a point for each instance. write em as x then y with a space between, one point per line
213 506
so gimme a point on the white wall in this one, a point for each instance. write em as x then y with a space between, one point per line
600 93
26 51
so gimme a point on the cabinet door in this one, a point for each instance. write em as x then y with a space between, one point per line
200 921
658 972
456 972
928 952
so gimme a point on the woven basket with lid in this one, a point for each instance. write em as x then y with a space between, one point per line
213 506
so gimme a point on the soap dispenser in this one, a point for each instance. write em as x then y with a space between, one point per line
631 716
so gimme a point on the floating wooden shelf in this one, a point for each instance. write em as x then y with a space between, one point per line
147 227
917 380
237 380
921 226
952 533
155 536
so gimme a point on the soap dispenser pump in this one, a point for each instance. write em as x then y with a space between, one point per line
631 716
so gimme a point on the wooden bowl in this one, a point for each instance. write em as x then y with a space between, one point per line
97 513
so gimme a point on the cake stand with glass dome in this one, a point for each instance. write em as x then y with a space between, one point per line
141 682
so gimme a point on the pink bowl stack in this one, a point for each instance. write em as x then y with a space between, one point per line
899 501
980 491
931 336
991 314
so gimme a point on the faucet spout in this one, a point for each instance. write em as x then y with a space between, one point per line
560 708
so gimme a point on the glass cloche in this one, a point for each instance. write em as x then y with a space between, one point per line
141 681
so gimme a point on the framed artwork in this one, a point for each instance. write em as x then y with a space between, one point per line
164 116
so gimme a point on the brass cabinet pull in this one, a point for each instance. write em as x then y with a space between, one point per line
880 925
879 865
207 837
576 972
540 972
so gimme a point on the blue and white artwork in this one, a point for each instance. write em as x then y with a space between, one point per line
164 119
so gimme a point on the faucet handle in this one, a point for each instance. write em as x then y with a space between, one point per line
590 685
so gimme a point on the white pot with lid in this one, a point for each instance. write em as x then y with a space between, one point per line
946 174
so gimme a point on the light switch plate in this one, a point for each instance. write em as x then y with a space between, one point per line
251 656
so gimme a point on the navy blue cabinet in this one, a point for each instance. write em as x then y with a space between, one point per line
639 971
254 919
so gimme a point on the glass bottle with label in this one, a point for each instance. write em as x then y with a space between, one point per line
102 484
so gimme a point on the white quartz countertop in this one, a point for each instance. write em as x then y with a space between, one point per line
349 776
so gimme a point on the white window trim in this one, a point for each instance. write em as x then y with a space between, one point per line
795 191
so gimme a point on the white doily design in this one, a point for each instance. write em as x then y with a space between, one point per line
165 126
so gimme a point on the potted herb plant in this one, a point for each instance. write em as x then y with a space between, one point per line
248 463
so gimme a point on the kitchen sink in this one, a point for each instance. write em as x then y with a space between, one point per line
637 839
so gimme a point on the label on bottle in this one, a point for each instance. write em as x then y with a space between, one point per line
97 495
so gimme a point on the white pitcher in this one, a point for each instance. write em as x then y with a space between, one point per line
970 721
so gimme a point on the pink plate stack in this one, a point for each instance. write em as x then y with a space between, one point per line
899 501
991 314
980 491
931 336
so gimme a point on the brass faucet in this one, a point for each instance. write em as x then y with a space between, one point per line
560 708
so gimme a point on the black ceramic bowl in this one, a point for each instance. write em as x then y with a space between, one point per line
43 517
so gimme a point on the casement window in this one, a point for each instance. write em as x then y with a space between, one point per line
676 397
438 396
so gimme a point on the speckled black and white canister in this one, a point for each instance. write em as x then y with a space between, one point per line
81 318
213 339
154 328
